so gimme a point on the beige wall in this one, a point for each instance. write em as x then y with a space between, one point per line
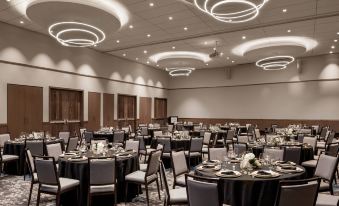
257 94
69 68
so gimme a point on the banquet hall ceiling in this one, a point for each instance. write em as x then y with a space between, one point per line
160 28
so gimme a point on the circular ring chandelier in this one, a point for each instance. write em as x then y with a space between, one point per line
275 62
184 71
66 33
211 6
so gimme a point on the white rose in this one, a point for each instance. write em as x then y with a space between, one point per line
249 156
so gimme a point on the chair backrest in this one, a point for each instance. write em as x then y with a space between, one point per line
72 144
230 134
102 171
119 136
54 150
323 132
156 125
88 136
332 149
4 138
274 153
97 141
36 147
125 129
243 139
179 163
298 192
170 127
143 131
38 135
207 138
30 161
82 130
330 137
240 148
46 170
326 167
217 153
196 128
141 140
196 144
132 145
257 133
292 153
157 133
300 137
311 141
164 180
65 136
153 163
166 142
199 188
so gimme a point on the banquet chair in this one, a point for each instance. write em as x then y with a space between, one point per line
311 141
292 153
228 139
331 150
157 134
195 150
102 178
4 158
172 196
72 144
323 133
143 166
170 128
325 169
206 142
156 125
166 142
82 131
198 188
88 136
36 147
328 140
131 133
143 151
148 177
4 138
64 136
297 192
49 181
54 150
144 132
300 137
99 140
32 172
276 154
240 148
242 139
327 200
217 153
180 168
132 145
119 138
257 133
39 135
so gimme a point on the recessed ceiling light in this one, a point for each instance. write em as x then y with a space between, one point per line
227 58
284 10
8 0
131 26
185 28
158 65
331 52
289 30
335 40
151 4
222 53
205 42
124 54
233 61
95 45
332 47
243 37
338 32
148 35
21 22
145 51
137 58
206 64
170 18
147 62
118 41
173 47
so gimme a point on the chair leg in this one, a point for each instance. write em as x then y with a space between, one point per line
58 200
126 190
30 193
38 197
147 198
158 188
160 181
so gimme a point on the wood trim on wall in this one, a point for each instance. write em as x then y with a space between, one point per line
108 109
94 110
145 109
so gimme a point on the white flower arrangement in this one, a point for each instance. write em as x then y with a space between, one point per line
249 161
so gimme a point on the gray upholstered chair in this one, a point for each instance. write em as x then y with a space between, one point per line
292 153
157 134
32 172
36 147
166 142
7 158
228 139
274 153
195 150
331 150
180 168
329 137
242 139
240 148
72 144
144 132
132 145
206 142
203 191
146 178
54 150
298 192
170 128
82 131
327 200
88 136
119 137
217 154
172 196
4 138
48 179
311 141
102 178
326 168
143 151
64 136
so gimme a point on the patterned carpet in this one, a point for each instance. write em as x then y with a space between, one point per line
14 191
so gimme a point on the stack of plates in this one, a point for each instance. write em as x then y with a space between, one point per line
228 173
265 174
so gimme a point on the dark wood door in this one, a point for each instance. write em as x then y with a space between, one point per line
24 109
108 109
145 110
94 105
127 106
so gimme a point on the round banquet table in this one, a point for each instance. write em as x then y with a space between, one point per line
176 144
79 170
250 191
18 148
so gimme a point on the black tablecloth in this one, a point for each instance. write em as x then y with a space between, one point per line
79 170
18 148
182 144
249 191
307 153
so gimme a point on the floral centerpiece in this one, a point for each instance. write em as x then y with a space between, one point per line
98 148
249 162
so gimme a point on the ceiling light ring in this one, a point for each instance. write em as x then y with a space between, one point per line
57 36
78 42
180 55
253 10
184 71
277 66
279 62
